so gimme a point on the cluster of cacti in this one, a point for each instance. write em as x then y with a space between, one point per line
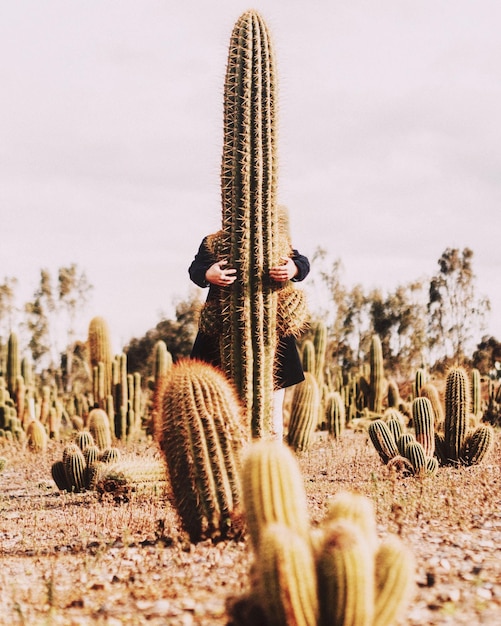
454 436
201 435
325 393
463 440
115 390
82 459
400 449
337 573
3 463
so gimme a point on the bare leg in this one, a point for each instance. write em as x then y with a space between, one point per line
278 416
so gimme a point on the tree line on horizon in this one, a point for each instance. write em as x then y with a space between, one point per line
431 322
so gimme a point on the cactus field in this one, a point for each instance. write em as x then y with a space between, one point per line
85 558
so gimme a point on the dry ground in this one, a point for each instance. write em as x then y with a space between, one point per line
75 559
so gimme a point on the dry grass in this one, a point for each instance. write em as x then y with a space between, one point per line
75 559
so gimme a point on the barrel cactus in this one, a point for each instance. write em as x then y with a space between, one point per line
201 438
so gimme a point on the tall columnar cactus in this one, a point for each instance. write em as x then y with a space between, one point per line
320 345
458 444
13 365
476 393
201 439
376 375
249 217
420 379
162 361
100 350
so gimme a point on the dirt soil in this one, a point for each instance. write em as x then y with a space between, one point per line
76 559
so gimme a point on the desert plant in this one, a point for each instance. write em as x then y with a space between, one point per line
304 413
201 439
272 489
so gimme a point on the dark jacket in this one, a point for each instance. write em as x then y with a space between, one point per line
289 370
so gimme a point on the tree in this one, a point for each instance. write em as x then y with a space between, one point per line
53 309
456 314
178 335
399 319
7 305
487 354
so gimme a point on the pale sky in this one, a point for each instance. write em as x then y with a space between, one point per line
111 136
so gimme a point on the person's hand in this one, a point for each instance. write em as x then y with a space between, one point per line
286 271
218 275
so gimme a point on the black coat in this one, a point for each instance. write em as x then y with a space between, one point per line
289 370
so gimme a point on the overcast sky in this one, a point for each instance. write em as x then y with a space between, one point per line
111 134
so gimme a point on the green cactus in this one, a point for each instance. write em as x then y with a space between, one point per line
346 578
286 586
110 455
201 439
421 378
100 350
457 405
13 366
3 463
335 414
430 391
479 444
403 441
304 413
308 356
249 218
272 489
395 571
320 345
382 440
476 393
36 436
376 393
84 439
424 424
58 472
416 455
394 424
99 427
74 467
393 396
355 509
128 476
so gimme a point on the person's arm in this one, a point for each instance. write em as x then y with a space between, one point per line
295 268
303 266
205 270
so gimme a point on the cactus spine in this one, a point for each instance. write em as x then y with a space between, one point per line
249 217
